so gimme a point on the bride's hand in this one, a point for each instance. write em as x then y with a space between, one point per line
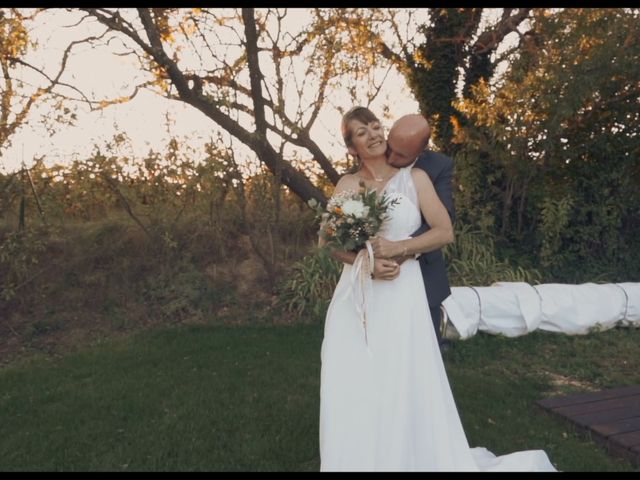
383 248
385 269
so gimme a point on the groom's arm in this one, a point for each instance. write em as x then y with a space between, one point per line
443 185
423 228
444 188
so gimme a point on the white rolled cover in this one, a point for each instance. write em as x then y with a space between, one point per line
632 311
517 308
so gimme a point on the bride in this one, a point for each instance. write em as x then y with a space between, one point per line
386 403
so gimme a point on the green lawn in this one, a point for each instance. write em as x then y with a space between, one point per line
237 398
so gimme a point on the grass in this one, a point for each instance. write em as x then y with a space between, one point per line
246 398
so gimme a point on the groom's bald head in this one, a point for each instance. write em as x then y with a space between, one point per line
408 136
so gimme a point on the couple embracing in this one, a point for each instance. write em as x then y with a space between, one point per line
386 404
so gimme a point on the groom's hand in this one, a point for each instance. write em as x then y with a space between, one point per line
385 269
401 259
383 248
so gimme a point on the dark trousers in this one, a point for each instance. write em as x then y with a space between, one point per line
435 317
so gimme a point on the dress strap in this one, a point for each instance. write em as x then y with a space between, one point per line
403 183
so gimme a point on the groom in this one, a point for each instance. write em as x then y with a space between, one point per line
407 141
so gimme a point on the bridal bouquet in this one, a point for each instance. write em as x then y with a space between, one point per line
352 217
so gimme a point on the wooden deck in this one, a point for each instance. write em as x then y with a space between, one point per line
611 418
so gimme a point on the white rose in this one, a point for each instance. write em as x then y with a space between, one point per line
355 208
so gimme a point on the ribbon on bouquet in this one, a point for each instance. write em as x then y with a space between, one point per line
362 284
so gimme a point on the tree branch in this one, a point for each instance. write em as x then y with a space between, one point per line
489 40
291 177
51 80
255 75
302 138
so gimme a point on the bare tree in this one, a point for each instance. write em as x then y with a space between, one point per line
215 60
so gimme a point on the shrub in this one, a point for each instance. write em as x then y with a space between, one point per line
309 285
471 260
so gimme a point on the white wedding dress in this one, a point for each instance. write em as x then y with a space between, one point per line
386 404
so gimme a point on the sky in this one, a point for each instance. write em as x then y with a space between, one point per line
144 119
101 74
